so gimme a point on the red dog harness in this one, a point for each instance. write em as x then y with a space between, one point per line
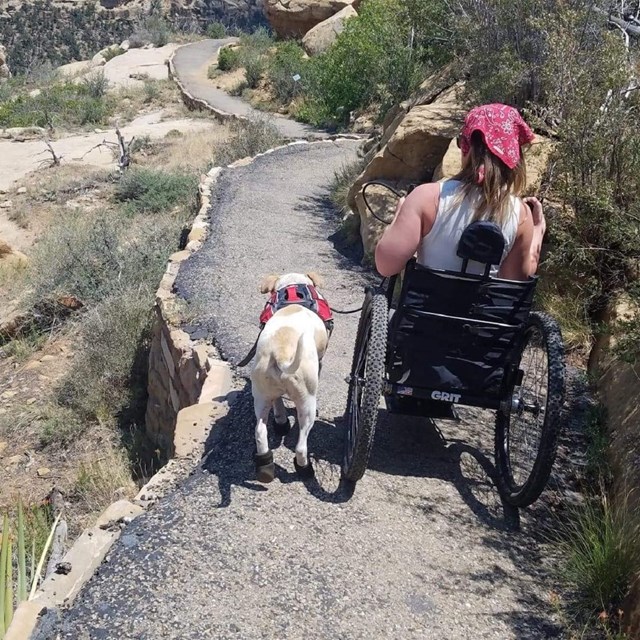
302 294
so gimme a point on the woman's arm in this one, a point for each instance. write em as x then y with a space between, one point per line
522 260
413 220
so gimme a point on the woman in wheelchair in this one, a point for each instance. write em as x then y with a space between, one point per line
462 331
430 220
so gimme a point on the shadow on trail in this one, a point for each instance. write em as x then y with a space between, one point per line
403 447
230 448
410 446
228 451
321 207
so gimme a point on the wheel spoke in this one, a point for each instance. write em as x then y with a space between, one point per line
523 436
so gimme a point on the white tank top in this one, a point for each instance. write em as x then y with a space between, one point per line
438 248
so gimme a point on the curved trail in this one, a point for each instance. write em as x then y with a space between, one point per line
191 63
422 550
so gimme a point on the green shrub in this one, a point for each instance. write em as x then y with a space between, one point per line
151 91
97 84
255 67
113 52
258 42
59 426
109 374
63 104
342 182
92 257
228 59
23 347
150 191
287 62
249 138
601 557
216 30
371 61
153 29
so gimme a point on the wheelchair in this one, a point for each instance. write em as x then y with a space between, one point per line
457 338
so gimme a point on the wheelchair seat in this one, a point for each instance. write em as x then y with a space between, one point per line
456 336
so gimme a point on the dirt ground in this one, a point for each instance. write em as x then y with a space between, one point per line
93 471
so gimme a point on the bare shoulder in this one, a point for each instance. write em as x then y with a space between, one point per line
423 200
425 193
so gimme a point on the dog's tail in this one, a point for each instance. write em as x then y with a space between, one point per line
291 367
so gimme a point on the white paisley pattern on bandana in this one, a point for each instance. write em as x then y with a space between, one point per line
503 129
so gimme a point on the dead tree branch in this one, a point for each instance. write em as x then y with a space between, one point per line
120 149
55 158
124 159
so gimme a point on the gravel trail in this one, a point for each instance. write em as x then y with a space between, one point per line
423 549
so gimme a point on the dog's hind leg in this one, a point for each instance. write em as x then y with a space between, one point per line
282 426
264 457
306 418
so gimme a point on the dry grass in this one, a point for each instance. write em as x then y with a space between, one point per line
50 194
153 95
192 151
227 80
568 309
101 481
90 447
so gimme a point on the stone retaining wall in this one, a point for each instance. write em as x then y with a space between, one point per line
183 373
196 104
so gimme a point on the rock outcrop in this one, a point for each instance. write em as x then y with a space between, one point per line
323 35
294 18
418 145
5 72
414 143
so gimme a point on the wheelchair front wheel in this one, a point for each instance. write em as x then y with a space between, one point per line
527 430
365 385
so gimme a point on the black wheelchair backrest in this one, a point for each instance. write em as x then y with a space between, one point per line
482 241
458 333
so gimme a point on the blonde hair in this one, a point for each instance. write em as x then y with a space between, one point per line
492 196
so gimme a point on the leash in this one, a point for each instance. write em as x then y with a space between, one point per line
345 313
252 352
379 183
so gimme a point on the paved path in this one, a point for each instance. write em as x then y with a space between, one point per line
421 550
191 64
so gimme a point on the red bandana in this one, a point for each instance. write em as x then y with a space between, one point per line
502 128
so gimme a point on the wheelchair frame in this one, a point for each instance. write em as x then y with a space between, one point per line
515 403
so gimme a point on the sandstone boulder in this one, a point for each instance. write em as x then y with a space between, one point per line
98 60
5 72
413 146
294 18
73 69
324 34
384 203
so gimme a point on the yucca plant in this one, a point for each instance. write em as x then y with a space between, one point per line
6 578
25 583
